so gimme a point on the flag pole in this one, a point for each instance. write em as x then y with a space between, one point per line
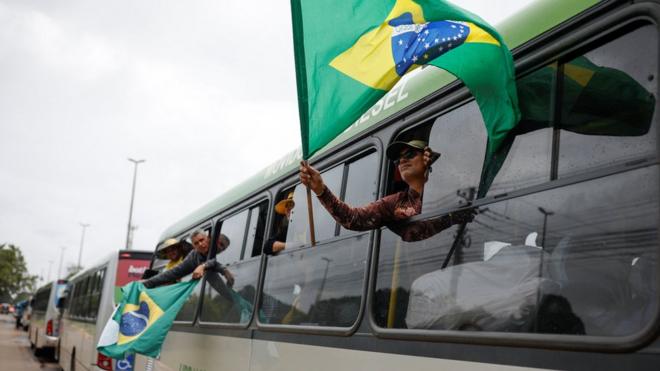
310 212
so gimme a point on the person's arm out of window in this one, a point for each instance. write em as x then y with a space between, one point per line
181 270
371 216
423 229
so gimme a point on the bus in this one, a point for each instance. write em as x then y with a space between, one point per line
45 318
91 298
558 270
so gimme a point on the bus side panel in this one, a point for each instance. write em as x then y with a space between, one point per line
279 356
190 351
77 335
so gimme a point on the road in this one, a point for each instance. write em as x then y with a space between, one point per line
15 352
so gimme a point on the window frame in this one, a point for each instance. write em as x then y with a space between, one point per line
261 197
182 236
561 49
341 156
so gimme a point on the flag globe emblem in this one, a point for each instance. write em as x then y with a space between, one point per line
134 322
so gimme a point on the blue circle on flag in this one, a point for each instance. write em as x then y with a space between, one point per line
134 322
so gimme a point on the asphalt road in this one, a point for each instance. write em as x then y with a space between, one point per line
15 352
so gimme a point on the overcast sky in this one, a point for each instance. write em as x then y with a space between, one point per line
203 90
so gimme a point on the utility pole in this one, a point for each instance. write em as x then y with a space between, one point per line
82 241
50 265
130 210
59 270
546 214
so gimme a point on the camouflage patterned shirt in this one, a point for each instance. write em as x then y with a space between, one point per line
391 211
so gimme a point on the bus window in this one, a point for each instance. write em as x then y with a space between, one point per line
362 183
230 297
608 105
460 137
527 159
234 230
324 224
322 286
579 260
284 205
95 299
255 232
189 309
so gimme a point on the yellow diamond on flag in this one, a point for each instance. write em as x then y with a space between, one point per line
135 319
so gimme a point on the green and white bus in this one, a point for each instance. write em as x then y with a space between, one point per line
558 270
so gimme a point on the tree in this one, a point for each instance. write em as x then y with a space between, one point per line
14 276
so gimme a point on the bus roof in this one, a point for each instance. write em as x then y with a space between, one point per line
120 254
523 26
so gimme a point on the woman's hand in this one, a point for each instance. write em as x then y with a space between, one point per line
311 178
428 156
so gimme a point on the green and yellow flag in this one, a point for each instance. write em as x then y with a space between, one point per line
141 321
350 53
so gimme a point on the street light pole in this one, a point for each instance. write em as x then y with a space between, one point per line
130 210
50 265
59 270
546 214
82 241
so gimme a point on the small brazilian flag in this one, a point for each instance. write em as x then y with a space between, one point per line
141 321
350 53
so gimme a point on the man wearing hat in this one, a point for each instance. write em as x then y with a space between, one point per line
196 263
413 160
276 243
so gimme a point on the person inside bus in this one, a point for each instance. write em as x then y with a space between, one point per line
277 243
221 243
173 250
413 160
196 263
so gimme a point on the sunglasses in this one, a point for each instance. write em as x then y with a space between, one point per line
408 155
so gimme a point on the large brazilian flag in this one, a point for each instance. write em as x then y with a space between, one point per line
142 319
349 53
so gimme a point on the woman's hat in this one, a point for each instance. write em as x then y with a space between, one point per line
394 149
285 204
169 243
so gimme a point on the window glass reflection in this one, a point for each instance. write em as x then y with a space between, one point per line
608 105
231 303
578 260
461 138
320 286
234 230
362 183
527 161
324 224
189 309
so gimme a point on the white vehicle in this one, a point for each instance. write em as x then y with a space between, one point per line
558 270
45 317
90 301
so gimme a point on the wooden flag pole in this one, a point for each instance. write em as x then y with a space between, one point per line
310 212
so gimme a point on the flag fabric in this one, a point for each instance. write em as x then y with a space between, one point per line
350 53
595 100
141 321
